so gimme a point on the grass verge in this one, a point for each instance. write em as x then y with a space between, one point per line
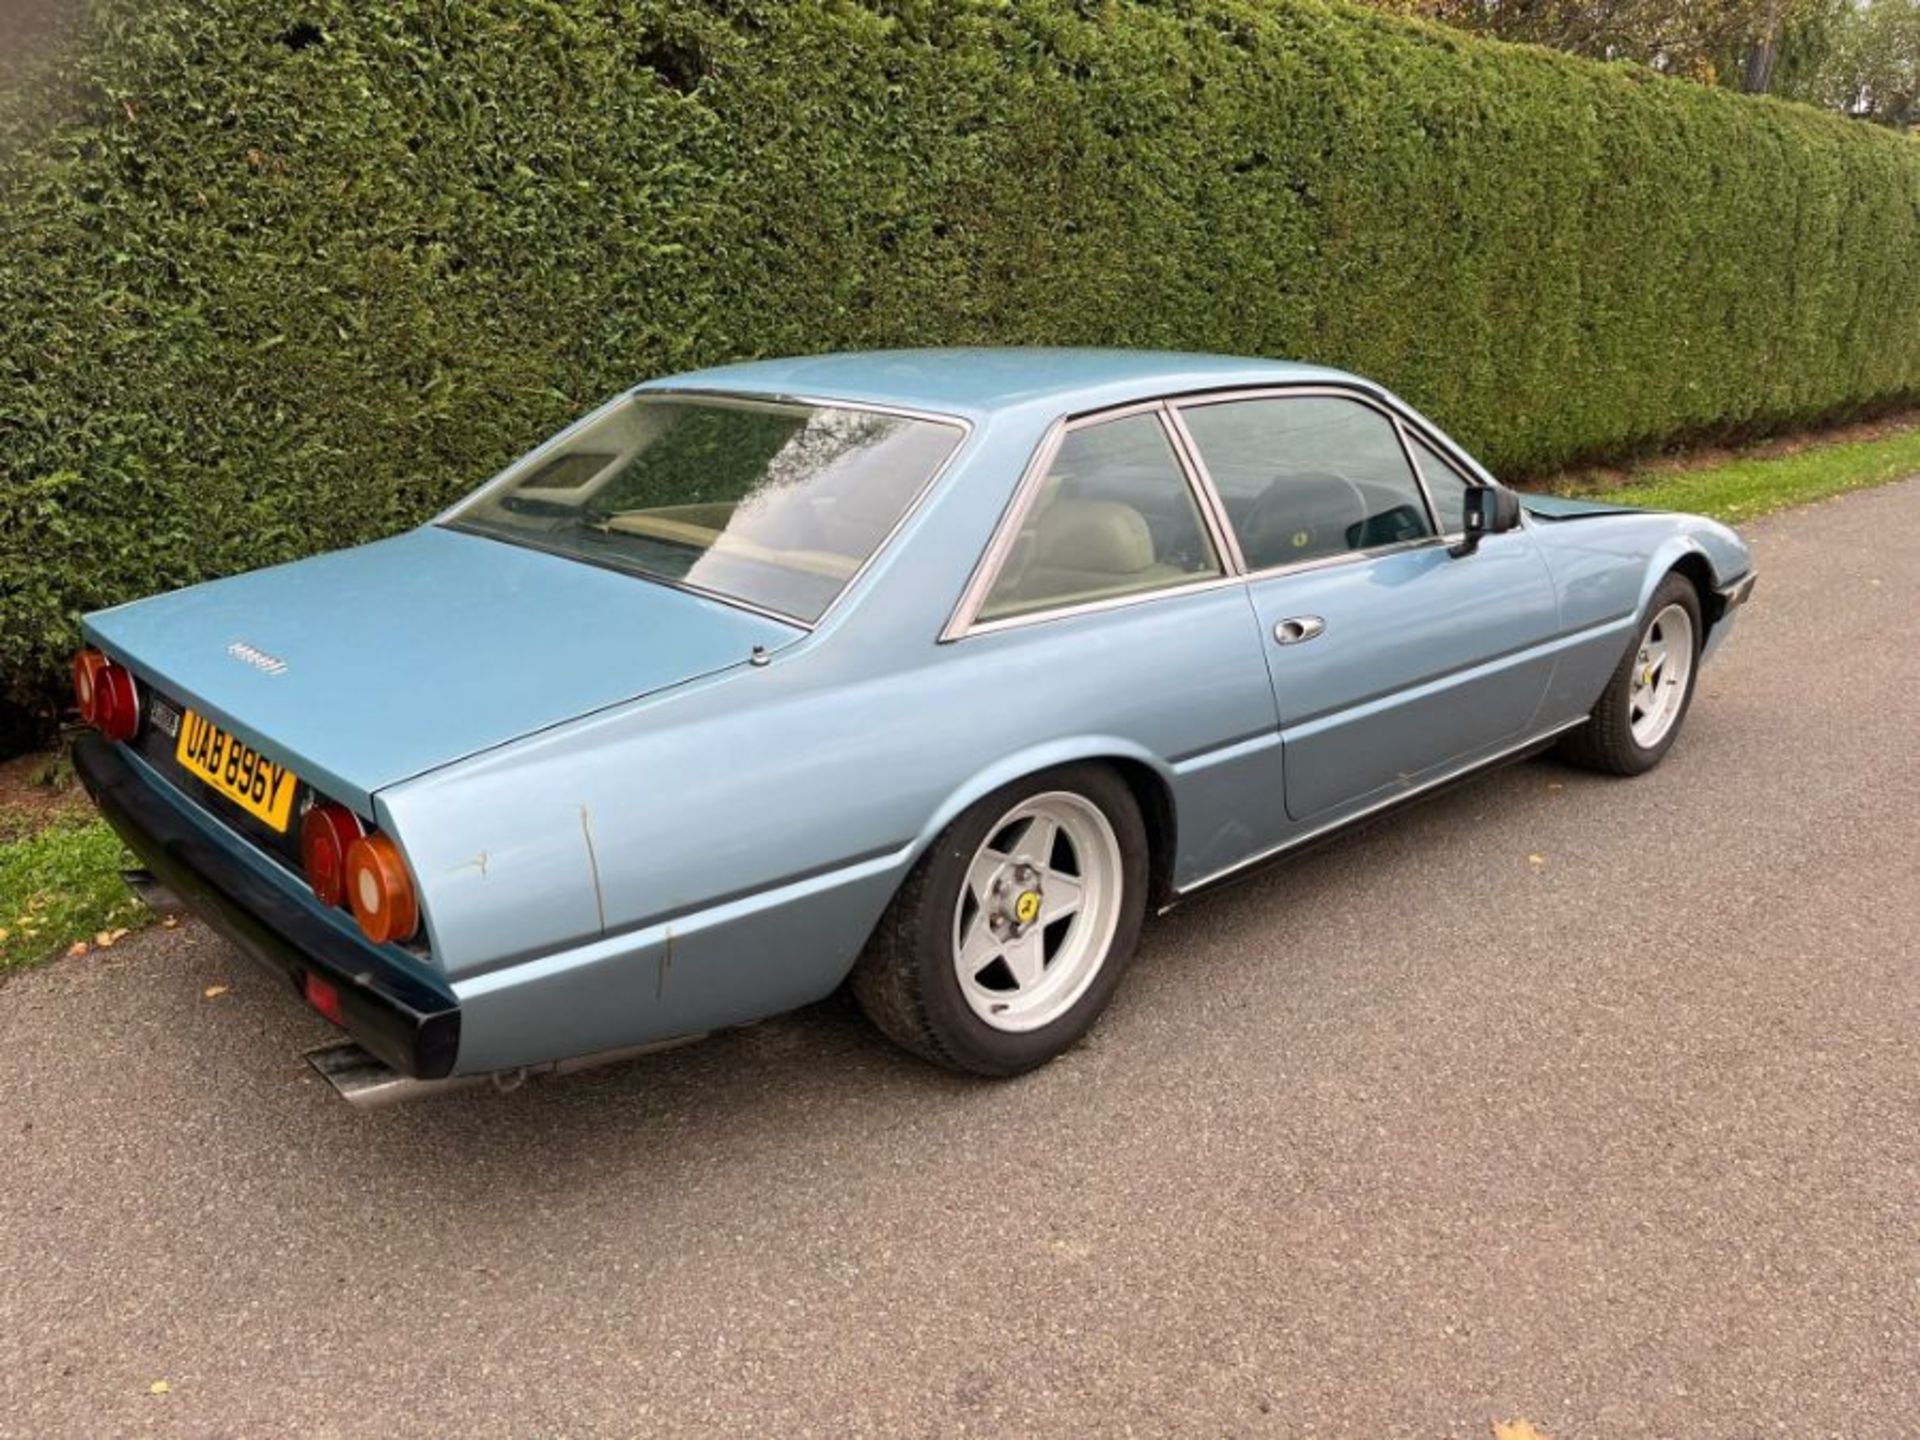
1744 487
60 886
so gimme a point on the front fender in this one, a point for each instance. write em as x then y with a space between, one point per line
1606 566
1726 559
1725 554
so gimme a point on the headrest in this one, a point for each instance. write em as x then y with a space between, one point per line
1103 536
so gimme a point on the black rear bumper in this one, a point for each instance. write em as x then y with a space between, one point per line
394 1015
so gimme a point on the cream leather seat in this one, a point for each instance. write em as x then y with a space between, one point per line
1079 550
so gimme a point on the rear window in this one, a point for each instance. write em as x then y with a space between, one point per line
771 503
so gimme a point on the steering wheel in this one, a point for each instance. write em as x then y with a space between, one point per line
1293 513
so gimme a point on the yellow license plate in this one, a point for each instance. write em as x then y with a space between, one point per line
256 784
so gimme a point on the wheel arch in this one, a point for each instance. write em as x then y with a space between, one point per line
1154 796
1147 777
1695 566
1684 556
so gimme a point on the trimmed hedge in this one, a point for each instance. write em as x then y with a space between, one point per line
283 275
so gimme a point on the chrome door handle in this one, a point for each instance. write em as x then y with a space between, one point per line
1298 628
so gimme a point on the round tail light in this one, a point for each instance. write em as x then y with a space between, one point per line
109 701
327 832
379 890
87 665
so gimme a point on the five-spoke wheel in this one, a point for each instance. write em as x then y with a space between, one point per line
1009 936
1036 915
1663 668
1640 711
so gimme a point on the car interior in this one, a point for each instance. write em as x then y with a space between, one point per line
1307 478
1311 514
770 502
1113 516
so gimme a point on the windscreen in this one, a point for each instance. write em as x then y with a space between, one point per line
771 503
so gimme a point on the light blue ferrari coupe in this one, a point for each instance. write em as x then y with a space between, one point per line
932 672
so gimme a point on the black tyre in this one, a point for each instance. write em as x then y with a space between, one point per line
1641 710
1008 938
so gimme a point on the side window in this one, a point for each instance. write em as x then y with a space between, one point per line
1114 516
1447 486
1308 476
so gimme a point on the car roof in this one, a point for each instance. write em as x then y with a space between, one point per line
976 381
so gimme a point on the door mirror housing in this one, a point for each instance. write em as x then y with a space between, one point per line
1491 510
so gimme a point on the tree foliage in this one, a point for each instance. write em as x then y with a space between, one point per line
1698 39
283 275
1856 56
1867 64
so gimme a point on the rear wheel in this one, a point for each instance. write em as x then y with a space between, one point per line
1008 938
1641 710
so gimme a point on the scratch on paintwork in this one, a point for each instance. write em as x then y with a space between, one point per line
666 964
479 862
593 864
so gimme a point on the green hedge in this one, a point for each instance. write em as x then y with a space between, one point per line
282 275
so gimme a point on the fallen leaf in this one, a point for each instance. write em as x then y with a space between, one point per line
159 1387
168 922
1518 1430
213 992
109 937
4 932
1536 859
1556 785
76 950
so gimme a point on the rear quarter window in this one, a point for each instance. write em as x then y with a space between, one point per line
1113 516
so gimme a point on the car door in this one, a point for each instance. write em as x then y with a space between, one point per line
1391 660
1106 607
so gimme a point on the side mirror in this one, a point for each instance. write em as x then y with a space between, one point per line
1491 510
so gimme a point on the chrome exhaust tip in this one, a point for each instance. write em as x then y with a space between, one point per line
368 1083
151 893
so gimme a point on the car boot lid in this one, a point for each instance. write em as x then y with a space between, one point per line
365 667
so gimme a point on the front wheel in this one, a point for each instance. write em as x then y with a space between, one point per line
1008 938
1639 713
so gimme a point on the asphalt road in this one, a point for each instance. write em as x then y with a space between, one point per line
1414 1135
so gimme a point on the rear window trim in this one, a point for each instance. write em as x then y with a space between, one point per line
449 520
